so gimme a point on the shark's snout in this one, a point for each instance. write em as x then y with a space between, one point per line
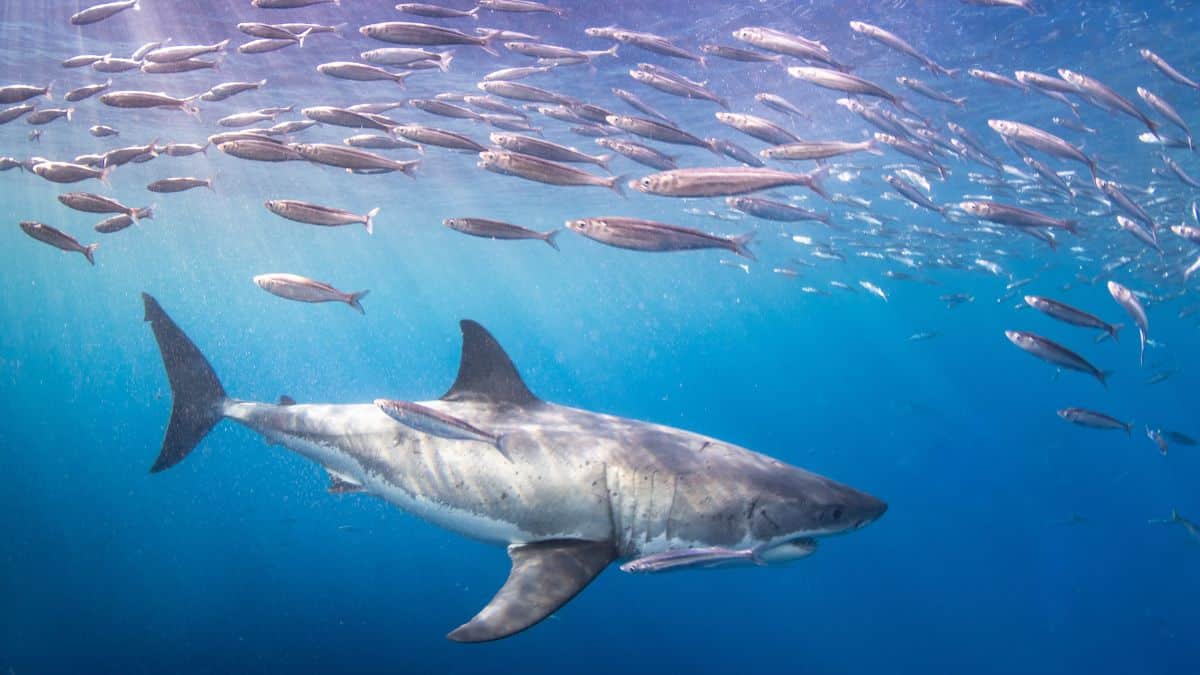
852 509
869 510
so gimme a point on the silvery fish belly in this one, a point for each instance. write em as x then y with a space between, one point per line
568 491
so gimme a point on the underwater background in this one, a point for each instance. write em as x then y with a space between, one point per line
1014 542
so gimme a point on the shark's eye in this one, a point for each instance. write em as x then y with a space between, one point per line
837 513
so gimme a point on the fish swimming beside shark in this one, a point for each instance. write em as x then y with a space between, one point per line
571 492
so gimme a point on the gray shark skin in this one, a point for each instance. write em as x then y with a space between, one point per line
572 492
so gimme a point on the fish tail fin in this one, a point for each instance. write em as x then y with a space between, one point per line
603 160
814 181
198 397
474 12
1142 347
617 183
1174 516
741 245
1114 330
1071 225
49 90
950 72
549 238
370 220
191 108
399 78
960 102
104 173
354 298
445 59
410 169
340 30
502 446
222 45
89 251
873 148
70 113
1103 376
486 42
1128 429
302 37
703 61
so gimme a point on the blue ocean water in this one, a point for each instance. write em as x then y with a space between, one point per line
1015 542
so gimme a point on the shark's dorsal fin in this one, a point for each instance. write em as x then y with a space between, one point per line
485 373
545 576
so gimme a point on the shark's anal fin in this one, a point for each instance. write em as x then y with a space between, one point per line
485 373
340 485
545 576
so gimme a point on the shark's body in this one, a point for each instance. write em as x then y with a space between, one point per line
571 492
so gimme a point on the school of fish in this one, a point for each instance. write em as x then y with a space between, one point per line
1040 193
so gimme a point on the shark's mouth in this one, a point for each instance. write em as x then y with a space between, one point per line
787 551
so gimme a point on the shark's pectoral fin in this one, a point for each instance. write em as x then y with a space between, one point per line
545 576
341 485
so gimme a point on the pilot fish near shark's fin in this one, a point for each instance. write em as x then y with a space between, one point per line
436 423
197 394
545 575
485 373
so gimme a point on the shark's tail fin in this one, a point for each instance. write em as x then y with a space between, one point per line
197 393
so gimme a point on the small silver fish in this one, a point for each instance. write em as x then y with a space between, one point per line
303 289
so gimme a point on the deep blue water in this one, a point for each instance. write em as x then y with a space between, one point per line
1015 542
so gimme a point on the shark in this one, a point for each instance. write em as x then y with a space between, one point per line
567 491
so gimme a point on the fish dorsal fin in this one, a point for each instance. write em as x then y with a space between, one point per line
286 400
485 373
545 576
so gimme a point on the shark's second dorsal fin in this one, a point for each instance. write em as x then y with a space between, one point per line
485 373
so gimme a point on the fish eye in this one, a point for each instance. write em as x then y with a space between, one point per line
837 513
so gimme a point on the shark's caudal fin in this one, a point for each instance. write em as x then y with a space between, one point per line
197 393
545 575
485 373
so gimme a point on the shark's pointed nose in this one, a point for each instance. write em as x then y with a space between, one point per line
872 509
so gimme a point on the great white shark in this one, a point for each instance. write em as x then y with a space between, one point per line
568 491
